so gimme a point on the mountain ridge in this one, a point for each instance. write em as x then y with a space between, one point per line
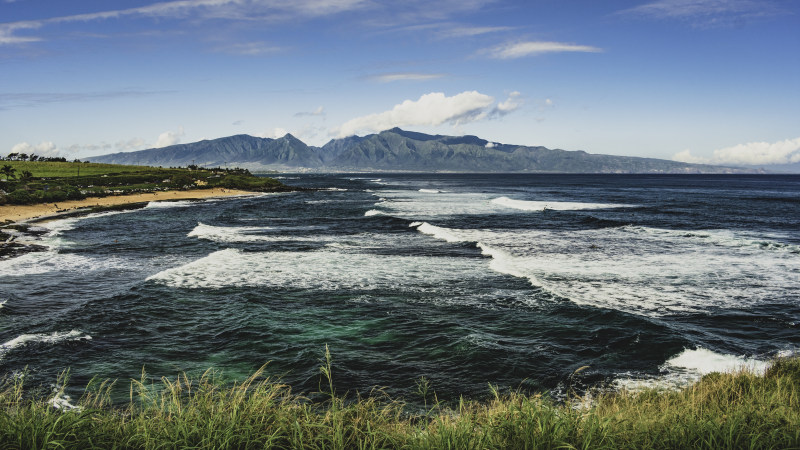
399 150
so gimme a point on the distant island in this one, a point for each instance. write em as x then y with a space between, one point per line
398 150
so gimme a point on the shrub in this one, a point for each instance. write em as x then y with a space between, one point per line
20 197
181 180
54 196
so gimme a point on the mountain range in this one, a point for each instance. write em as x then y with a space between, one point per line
397 150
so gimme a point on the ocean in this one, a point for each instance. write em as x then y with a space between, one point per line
467 280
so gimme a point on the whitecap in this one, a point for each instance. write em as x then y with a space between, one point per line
253 234
333 268
444 234
373 212
629 270
52 338
719 237
689 366
37 263
173 204
228 234
702 361
526 205
63 402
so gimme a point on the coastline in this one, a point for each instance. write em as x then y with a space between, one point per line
26 213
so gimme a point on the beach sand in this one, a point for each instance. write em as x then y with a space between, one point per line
17 213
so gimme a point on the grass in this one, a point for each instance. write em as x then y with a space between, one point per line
41 169
736 410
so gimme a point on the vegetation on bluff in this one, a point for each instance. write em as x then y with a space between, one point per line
736 410
26 182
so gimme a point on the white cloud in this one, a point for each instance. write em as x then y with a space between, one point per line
405 76
168 138
244 10
430 109
513 50
6 37
249 48
490 145
512 103
751 153
468 31
106 147
45 148
705 12
33 99
687 157
320 111
130 144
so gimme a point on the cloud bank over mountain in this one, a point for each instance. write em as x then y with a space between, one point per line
751 154
431 109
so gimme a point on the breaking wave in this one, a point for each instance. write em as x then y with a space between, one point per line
526 205
52 338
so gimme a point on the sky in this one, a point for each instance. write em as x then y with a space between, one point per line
714 81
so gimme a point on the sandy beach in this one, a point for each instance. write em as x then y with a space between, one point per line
17 213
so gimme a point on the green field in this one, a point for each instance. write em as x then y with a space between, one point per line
722 411
71 169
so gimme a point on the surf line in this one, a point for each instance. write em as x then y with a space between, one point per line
501 261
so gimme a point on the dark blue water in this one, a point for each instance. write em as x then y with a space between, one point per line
513 280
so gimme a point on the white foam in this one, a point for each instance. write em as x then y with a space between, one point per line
647 273
526 205
63 402
444 234
173 204
37 263
420 205
335 189
333 268
726 238
254 234
416 205
373 212
228 234
689 366
54 238
702 361
52 338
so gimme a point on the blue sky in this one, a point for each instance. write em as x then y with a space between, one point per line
697 80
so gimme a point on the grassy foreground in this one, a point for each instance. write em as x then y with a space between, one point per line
739 410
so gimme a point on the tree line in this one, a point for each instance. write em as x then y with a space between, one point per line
33 157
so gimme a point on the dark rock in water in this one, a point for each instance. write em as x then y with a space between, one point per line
14 249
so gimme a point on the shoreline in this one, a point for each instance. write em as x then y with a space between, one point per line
14 214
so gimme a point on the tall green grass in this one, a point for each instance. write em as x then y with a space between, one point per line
736 410
72 169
